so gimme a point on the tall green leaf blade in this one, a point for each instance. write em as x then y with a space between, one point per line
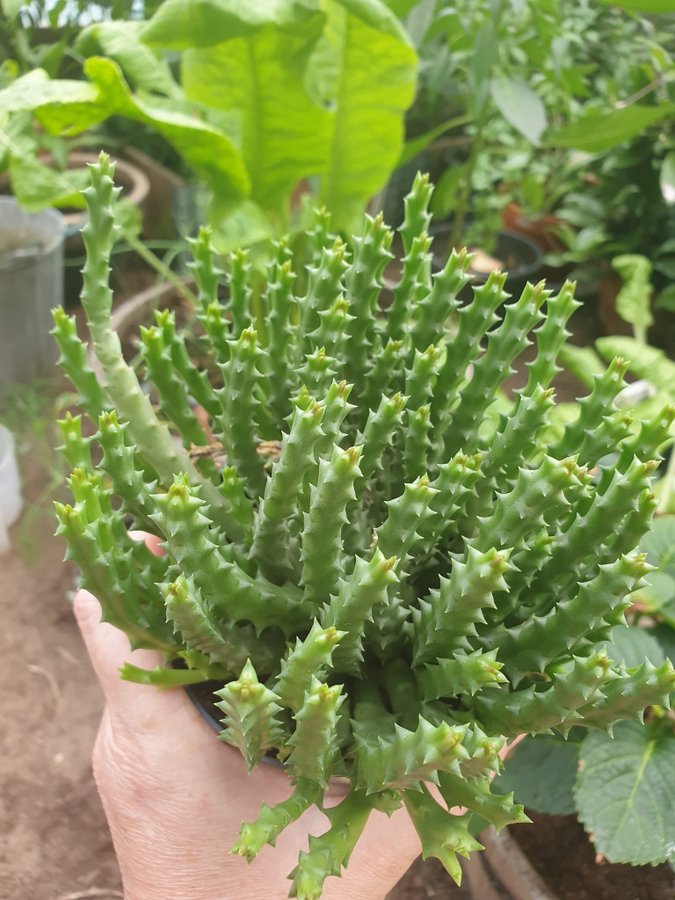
364 71
625 793
284 132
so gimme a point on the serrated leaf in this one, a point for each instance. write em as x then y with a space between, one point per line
541 772
520 106
632 645
625 793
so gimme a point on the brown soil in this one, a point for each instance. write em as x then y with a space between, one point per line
562 853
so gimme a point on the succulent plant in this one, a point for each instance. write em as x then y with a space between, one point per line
390 568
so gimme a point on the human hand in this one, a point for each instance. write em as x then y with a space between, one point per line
175 796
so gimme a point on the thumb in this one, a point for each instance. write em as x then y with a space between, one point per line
109 649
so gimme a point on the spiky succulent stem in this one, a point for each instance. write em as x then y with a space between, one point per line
384 577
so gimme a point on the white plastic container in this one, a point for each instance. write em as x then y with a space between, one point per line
11 502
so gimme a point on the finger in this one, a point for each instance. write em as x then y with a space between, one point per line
108 649
154 544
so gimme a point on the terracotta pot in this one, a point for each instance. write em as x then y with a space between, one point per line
541 230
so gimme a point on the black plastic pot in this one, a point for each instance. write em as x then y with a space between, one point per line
522 258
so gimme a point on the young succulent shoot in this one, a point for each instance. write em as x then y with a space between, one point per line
385 580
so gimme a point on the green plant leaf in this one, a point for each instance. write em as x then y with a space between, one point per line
364 70
284 133
667 178
207 150
420 143
596 133
659 591
633 300
642 6
541 772
625 793
665 635
520 106
632 645
121 42
583 362
11 7
184 24
646 362
35 89
37 186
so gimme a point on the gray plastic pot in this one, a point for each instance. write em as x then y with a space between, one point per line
31 284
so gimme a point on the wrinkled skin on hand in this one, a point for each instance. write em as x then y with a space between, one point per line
175 796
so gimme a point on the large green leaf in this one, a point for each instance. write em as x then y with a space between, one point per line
121 42
36 89
659 592
625 793
184 24
364 70
520 106
541 772
211 154
284 132
596 133
632 645
37 186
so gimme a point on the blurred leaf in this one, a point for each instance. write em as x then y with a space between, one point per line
285 134
420 143
185 24
634 298
583 362
37 186
541 772
121 42
665 635
646 362
643 6
207 150
365 71
35 89
625 793
667 178
596 133
631 645
666 299
11 7
520 106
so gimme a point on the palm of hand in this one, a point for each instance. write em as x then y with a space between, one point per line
175 797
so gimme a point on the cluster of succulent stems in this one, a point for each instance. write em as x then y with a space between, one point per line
388 565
